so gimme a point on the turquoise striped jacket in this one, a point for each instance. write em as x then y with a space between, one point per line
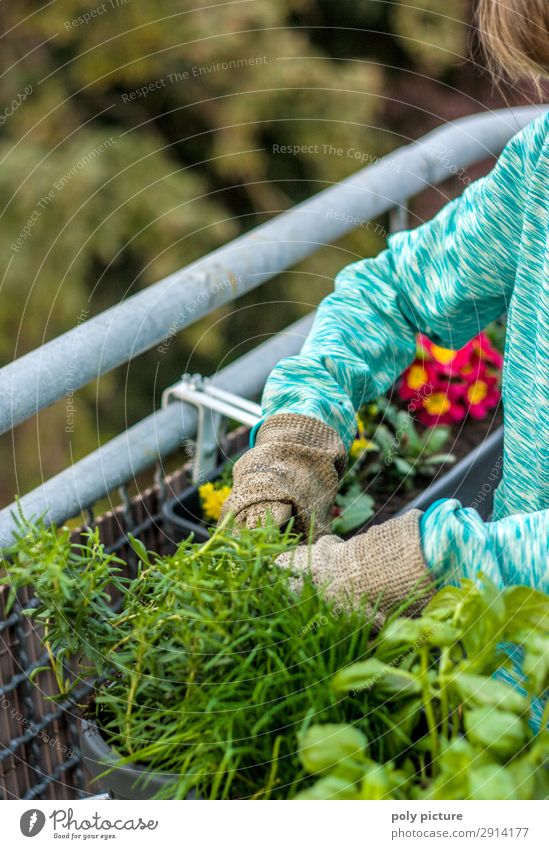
485 253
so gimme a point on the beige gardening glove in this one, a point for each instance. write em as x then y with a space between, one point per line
385 564
293 471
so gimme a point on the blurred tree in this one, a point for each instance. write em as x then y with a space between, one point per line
137 137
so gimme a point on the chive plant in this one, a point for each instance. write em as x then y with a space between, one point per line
210 665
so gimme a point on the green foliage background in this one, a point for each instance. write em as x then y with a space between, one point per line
138 186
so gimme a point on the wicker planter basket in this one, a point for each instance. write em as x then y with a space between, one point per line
40 746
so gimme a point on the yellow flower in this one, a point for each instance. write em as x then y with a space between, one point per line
359 423
417 377
212 499
437 404
443 355
477 392
360 446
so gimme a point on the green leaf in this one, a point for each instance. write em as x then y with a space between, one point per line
491 782
438 459
500 731
443 605
356 510
481 618
403 466
416 633
379 781
402 632
37 671
323 747
486 691
523 777
535 664
435 439
526 609
329 787
381 678
454 764
139 549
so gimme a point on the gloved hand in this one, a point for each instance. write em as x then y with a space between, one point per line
293 470
385 564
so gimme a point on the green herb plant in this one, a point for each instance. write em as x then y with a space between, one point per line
461 733
211 663
213 669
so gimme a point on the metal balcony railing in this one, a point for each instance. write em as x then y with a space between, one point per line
121 333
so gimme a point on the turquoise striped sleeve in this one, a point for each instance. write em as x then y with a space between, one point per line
448 278
513 550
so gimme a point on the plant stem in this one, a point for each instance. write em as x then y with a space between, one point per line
428 705
443 690
53 661
218 531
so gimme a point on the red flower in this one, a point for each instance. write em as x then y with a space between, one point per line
485 351
481 396
444 386
441 407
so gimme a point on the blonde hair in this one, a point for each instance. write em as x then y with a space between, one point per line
515 36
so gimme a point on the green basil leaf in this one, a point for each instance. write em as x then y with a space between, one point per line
329 787
491 782
323 747
486 691
359 676
443 605
536 666
501 732
525 609
523 776
379 781
381 678
416 633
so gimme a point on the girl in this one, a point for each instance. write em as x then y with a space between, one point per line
485 253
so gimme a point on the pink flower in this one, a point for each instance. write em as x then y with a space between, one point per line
446 360
485 351
481 396
444 385
441 408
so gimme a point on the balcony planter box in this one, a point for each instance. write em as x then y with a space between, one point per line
184 512
127 781
472 481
